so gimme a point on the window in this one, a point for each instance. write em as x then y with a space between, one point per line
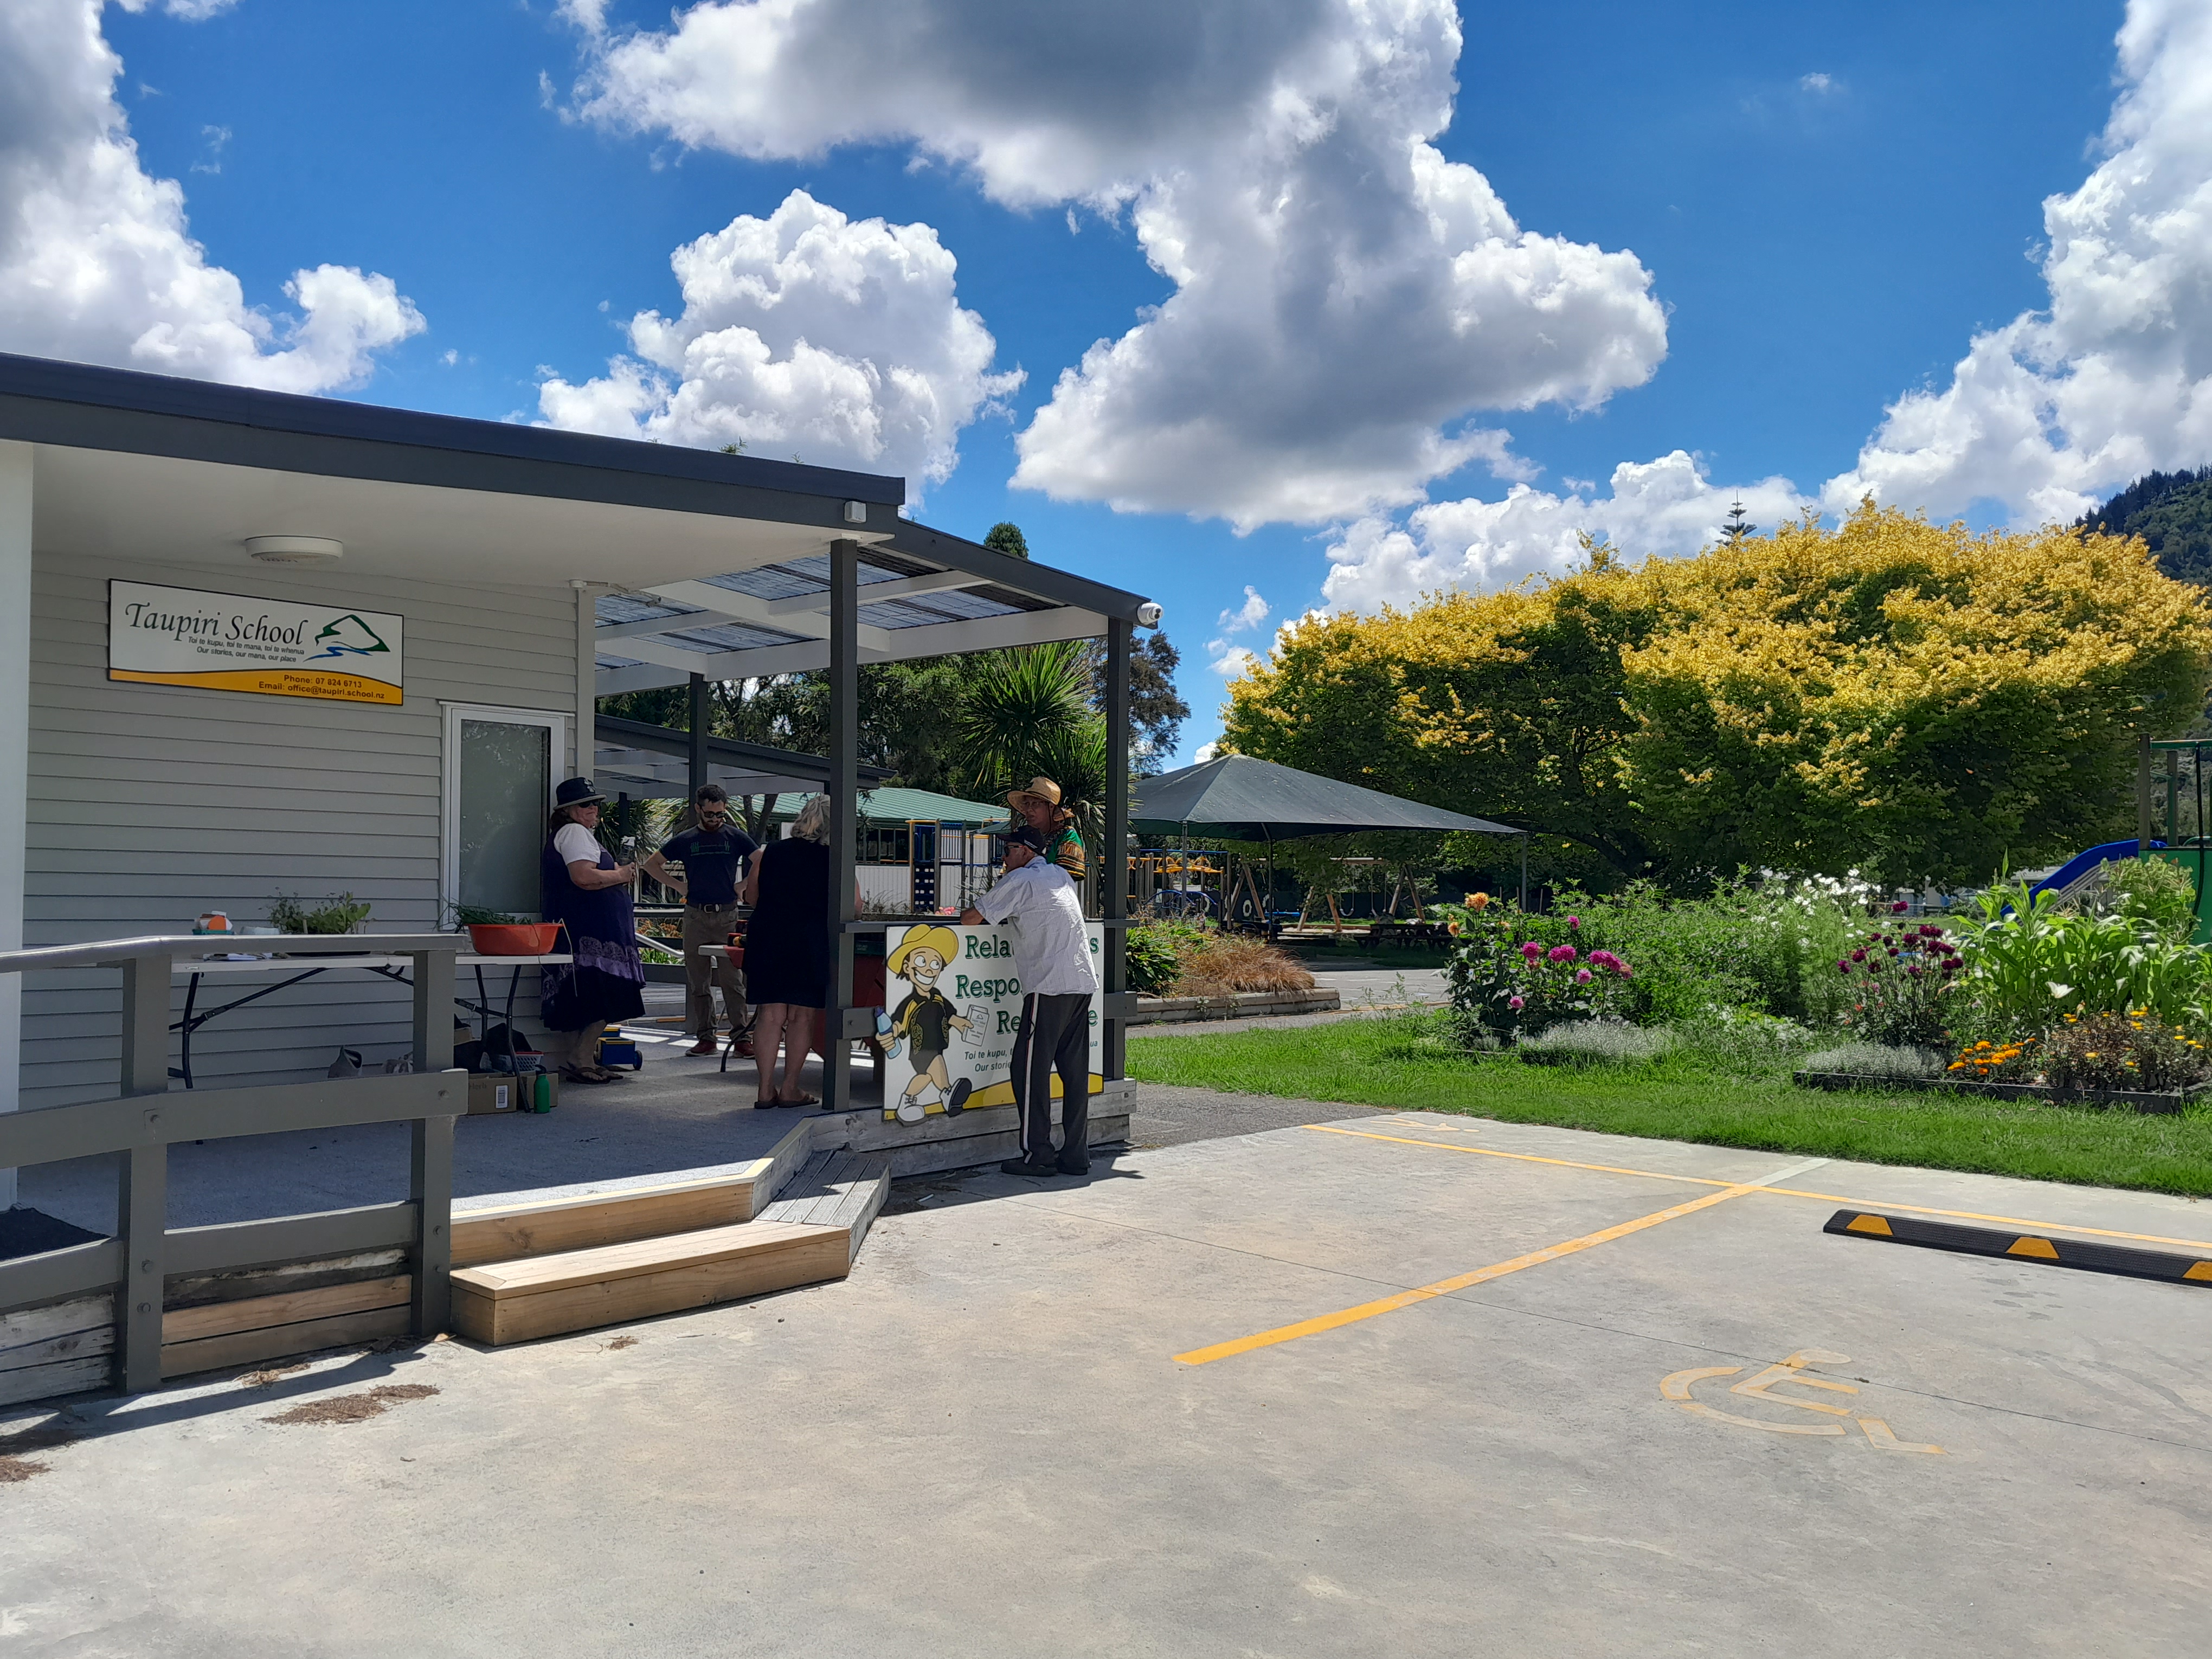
499 788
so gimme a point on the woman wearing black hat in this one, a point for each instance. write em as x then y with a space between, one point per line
584 886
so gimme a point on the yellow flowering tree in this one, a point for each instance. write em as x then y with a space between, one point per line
1907 697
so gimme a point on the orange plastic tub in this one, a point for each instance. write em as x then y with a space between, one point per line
516 939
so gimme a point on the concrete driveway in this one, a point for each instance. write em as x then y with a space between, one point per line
1406 1384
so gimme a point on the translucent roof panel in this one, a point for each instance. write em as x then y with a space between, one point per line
605 660
628 607
728 636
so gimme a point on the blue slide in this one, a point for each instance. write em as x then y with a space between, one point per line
2082 863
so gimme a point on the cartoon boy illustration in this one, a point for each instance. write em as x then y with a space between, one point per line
926 1019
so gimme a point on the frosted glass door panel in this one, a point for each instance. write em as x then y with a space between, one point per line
507 785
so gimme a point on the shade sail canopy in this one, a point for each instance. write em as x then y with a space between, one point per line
1248 800
902 806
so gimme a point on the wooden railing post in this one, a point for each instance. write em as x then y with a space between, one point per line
430 1152
143 1196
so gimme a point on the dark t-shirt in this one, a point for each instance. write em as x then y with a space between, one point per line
928 1016
714 862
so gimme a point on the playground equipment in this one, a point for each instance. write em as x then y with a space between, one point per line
2189 852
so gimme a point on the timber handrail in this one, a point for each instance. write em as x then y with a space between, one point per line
147 1117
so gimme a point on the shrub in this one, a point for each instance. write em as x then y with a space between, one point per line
1771 948
1741 1040
1880 1060
1179 959
1599 1043
2104 1052
1516 973
2029 964
1903 982
2156 892
1151 962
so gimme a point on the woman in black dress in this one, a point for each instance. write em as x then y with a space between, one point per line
789 955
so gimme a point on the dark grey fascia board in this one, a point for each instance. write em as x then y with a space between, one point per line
81 406
730 751
918 540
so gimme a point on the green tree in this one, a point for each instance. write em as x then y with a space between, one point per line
1006 537
1909 698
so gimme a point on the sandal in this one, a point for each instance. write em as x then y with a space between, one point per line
579 1074
766 1104
803 1100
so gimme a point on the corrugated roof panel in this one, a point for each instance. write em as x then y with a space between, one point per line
728 637
626 607
606 661
769 582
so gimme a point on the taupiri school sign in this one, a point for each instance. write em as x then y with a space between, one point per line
234 642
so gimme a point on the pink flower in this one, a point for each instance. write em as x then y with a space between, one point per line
1515 1004
1562 953
1574 921
1581 976
1532 950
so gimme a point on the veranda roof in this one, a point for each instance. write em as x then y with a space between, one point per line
1245 799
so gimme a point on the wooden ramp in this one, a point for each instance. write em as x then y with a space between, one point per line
575 1264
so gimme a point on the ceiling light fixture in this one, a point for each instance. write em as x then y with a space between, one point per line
294 550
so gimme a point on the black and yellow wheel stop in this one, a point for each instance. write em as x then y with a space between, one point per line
2028 1247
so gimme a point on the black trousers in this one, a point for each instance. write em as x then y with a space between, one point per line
1055 1035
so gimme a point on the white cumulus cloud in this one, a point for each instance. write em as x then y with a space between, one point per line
1668 506
95 262
1345 297
2114 378
804 333
1247 615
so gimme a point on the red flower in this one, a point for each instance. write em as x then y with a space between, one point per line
1859 956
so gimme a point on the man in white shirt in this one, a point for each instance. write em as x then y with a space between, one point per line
1051 956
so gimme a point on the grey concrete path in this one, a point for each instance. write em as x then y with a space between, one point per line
984 1442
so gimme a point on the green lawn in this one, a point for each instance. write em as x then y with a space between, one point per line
1398 1062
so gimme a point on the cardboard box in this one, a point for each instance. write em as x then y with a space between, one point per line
499 1091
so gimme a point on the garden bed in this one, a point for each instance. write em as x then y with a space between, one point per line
2122 1099
1242 1005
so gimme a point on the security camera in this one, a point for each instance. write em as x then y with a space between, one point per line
1149 615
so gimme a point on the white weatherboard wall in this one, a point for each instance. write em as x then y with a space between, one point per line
14 695
149 803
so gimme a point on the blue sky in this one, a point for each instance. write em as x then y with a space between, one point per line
1828 205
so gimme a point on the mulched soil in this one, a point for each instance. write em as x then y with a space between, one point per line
354 1408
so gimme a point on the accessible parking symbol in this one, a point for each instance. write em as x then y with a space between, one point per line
1676 1389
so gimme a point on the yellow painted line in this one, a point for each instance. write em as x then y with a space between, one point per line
1446 1286
1782 1192
1521 1157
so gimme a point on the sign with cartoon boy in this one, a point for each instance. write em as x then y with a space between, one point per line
951 1043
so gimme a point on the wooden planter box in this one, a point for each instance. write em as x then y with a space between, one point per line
2129 1100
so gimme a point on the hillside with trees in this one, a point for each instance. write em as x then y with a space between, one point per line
2173 512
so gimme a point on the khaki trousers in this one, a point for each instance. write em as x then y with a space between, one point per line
710 924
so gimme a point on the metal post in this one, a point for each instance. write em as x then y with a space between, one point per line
700 721
1524 872
143 1198
430 1148
1114 856
2143 794
844 809
2173 798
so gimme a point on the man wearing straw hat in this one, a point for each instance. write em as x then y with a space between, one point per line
1038 806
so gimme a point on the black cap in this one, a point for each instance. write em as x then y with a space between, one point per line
577 792
1027 837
